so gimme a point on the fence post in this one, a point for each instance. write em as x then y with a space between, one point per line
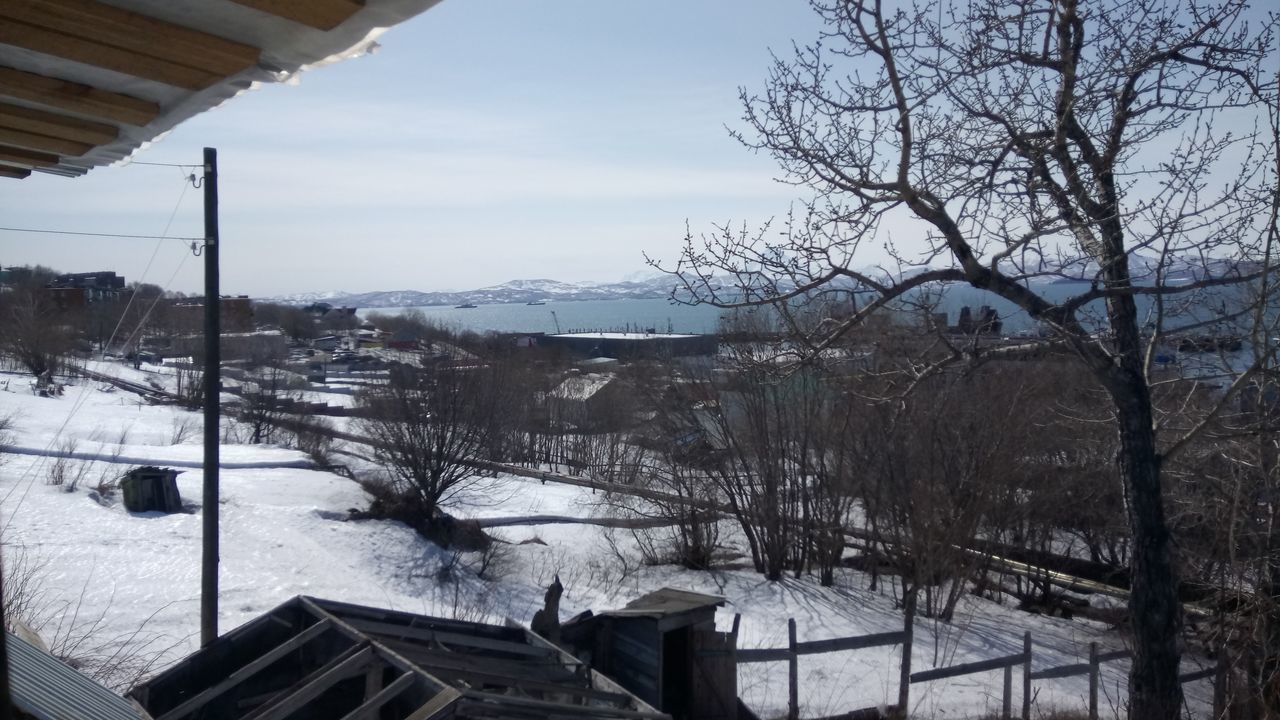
1093 681
793 673
1220 685
908 629
1006 706
1026 676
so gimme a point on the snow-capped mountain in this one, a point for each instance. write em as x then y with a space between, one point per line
1144 269
514 291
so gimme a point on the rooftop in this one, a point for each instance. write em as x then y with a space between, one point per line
321 658
667 601
624 335
85 83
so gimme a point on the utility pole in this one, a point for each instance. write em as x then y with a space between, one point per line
212 390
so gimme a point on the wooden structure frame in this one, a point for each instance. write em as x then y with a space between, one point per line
664 647
318 658
85 83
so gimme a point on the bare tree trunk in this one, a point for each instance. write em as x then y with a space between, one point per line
1154 690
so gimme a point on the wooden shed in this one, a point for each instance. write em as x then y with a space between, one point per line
664 647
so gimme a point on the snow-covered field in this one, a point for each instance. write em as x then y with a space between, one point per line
284 532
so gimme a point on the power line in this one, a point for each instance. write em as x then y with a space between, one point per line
181 165
97 234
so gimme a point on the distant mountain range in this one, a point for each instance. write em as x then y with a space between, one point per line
515 291
1176 271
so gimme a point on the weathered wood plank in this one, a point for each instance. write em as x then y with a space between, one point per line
860 642
384 696
319 14
1061 671
967 668
348 664
1197 675
763 655
203 698
447 638
76 97
557 708
1115 655
27 158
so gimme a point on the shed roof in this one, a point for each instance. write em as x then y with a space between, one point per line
581 387
667 601
359 661
46 688
85 83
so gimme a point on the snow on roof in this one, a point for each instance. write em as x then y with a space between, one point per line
581 387
668 601
624 335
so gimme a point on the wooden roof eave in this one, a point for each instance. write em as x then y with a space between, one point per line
142 67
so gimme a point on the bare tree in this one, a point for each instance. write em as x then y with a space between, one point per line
267 400
429 424
34 329
1129 145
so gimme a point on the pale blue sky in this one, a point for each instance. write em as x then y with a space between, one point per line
487 140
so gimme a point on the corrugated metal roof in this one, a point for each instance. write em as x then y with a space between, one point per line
49 689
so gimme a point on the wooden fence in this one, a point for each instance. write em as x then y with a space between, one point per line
791 655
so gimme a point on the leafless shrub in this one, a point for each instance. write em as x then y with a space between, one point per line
25 598
65 471
312 436
182 427
119 661
190 386
495 560
73 633
6 434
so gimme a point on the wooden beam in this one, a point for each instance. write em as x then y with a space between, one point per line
13 172
348 664
436 705
75 97
529 685
26 158
43 143
42 122
369 709
319 14
395 630
203 698
446 661
127 30
549 707
63 46
109 37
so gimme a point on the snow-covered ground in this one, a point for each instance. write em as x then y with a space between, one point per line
284 532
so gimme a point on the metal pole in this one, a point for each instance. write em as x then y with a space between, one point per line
212 389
